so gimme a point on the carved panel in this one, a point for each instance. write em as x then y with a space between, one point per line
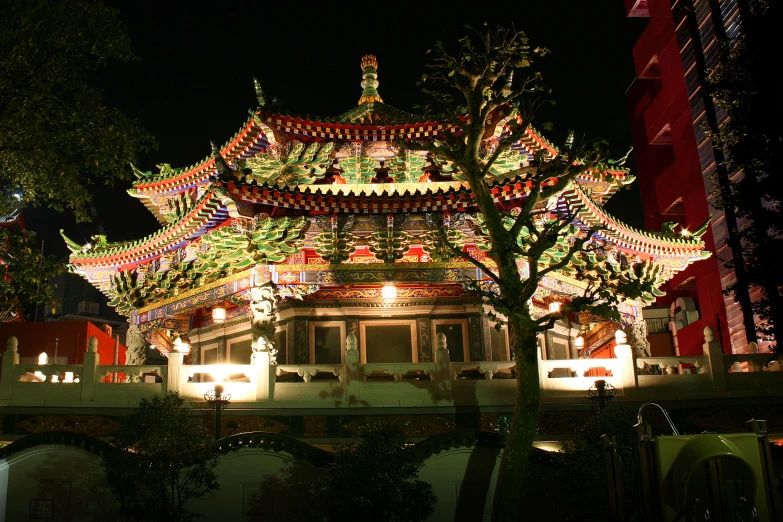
301 345
94 425
425 346
243 424
476 344
315 427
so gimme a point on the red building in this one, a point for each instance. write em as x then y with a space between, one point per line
70 338
676 160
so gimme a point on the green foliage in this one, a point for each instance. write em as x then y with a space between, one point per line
746 88
166 458
24 272
56 136
584 458
376 479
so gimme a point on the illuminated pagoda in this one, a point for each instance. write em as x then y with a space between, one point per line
298 235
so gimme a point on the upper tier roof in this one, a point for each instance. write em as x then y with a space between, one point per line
363 135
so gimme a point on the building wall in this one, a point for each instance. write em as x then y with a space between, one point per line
675 158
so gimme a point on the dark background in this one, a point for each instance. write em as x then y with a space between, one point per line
193 81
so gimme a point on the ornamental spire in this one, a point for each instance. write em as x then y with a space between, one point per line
370 80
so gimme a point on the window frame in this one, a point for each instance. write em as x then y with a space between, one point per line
434 323
232 341
311 337
388 322
503 328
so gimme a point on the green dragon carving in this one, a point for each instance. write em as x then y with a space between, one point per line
228 251
296 164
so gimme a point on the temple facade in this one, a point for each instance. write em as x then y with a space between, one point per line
299 234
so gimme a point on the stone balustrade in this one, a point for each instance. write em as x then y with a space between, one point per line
439 383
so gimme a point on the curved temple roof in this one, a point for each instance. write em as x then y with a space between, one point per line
276 164
365 134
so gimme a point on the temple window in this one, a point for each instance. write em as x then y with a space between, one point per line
456 332
281 343
209 355
498 343
388 341
327 342
239 351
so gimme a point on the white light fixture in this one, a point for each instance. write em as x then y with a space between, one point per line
389 292
181 346
43 358
580 341
620 337
219 315
554 307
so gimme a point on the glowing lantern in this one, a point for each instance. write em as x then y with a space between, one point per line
580 342
620 337
554 307
219 315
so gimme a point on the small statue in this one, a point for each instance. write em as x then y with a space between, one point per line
136 344
262 320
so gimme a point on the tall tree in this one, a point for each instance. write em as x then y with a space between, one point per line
166 459
56 136
24 273
489 78
745 87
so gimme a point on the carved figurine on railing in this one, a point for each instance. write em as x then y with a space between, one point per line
137 347
262 320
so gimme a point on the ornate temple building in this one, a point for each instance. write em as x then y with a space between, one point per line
328 225
303 268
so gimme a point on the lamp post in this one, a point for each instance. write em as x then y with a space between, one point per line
218 399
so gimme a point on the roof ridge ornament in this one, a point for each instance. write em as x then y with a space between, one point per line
370 80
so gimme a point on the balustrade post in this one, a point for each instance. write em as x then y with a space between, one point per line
443 368
262 367
90 370
174 372
626 368
714 354
353 370
10 359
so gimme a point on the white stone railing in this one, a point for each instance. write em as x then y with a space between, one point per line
131 374
48 373
389 384
398 370
487 369
748 363
308 371
672 365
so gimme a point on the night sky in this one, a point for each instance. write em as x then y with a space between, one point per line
193 82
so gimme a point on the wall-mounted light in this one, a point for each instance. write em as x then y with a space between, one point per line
555 306
181 346
389 292
580 342
218 315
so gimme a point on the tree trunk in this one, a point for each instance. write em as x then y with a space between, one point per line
509 491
